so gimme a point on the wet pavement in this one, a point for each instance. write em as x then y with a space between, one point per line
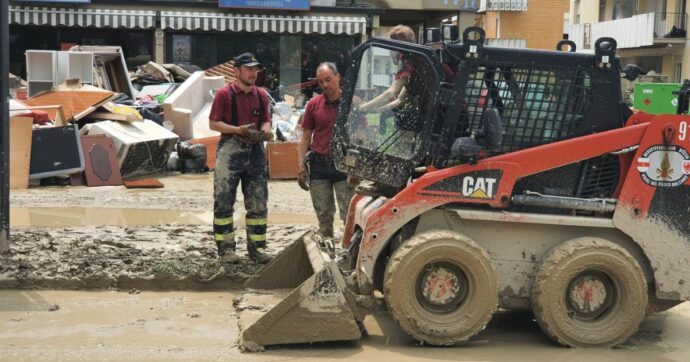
107 325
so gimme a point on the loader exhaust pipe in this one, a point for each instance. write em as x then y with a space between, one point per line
570 203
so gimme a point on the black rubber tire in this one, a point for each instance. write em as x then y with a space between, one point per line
564 263
405 266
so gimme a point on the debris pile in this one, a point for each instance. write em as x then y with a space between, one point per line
82 118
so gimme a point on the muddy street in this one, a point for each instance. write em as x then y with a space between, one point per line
116 274
108 325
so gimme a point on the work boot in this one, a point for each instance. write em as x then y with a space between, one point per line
259 255
229 257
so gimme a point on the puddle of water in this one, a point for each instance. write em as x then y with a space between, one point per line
72 325
74 216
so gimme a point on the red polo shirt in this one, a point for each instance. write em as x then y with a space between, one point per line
247 104
319 117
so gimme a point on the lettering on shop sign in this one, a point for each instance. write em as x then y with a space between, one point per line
266 4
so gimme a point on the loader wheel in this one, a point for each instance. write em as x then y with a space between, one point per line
589 292
441 287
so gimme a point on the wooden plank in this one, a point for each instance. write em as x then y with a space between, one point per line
20 151
75 104
112 117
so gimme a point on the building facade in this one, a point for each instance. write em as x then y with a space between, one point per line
650 33
291 37
535 24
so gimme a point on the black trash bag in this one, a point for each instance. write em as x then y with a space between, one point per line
192 157
148 114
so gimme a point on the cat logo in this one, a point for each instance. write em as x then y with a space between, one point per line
478 187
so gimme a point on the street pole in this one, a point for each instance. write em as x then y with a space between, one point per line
5 128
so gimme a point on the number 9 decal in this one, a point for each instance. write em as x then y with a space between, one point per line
683 132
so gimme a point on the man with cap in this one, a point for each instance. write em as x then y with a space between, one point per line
240 112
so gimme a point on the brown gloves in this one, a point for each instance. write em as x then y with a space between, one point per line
250 131
303 180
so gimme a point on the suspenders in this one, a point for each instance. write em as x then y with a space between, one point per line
233 108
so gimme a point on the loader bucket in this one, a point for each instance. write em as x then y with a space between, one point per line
299 297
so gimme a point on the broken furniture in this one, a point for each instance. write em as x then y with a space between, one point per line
142 147
55 151
189 106
110 69
100 163
39 114
46 69
20 151
76 104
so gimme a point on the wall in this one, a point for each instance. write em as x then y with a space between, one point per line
541 25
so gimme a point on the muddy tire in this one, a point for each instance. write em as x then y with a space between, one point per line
441 287
589 292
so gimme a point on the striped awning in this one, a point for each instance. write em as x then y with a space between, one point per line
263 23
82 17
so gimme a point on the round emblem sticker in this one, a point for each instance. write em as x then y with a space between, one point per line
664 166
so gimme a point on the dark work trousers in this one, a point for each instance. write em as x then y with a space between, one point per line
237 162
324 181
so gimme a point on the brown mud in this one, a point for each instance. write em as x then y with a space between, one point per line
147 239
108 325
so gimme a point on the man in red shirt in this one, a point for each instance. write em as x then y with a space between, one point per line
240 112
317 125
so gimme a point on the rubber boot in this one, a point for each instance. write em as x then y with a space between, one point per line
258 253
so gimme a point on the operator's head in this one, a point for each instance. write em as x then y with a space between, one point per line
247 68
329 80
403 33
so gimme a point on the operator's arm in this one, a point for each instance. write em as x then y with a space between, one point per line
386 97
394 104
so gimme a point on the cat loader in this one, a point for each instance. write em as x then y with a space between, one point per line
508 179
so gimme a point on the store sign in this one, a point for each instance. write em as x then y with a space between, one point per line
59 1
462 5
266 4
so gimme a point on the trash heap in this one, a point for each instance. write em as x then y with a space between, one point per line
82 118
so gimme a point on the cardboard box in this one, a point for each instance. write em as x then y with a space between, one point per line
282 160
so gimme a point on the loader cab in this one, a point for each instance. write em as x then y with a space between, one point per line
384 143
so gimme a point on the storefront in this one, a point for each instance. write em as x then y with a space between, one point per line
290 43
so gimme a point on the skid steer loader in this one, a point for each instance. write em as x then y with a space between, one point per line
517 180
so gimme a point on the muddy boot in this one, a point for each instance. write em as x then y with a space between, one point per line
229 257
226 252
258 253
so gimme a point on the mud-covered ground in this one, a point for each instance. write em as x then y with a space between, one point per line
142 286
90 254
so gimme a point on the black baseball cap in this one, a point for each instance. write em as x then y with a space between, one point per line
247 59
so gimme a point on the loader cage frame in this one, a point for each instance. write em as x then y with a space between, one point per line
542 96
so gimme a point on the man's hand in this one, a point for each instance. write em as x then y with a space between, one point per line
245 130
303 179
252 133
268 136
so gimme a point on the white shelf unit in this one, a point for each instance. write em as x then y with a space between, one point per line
49 68
75 65
40 70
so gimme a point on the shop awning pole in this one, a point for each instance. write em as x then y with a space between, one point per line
5 118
